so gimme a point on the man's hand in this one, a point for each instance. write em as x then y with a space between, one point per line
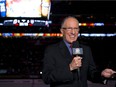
108 73
76 63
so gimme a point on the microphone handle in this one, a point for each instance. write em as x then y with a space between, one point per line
78 70
79 77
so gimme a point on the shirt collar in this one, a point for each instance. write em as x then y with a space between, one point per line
67 44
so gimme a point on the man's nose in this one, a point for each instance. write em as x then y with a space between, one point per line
72 30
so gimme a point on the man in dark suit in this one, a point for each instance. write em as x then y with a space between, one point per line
60 69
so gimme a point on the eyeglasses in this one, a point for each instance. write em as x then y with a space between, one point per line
70 28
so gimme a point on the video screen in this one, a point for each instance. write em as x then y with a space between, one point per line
25 8
2 8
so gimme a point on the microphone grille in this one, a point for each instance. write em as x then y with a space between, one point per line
78 51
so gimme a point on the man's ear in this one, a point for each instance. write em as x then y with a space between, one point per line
61 30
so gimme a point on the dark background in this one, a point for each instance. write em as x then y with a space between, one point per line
21 57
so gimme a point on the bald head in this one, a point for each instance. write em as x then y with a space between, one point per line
68 19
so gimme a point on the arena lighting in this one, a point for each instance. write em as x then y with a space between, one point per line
7 34
109 35
40 34
91 24
47 34
83 24
85 34
40 72
29 34
97 35
0 34
17 34
98 24
55 34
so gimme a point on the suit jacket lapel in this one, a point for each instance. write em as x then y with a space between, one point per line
64 51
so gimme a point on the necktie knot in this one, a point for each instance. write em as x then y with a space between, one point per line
71 46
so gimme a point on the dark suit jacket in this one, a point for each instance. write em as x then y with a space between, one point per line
56 70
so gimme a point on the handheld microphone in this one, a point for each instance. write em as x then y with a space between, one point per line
77 51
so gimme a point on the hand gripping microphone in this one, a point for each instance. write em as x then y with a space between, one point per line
77 51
